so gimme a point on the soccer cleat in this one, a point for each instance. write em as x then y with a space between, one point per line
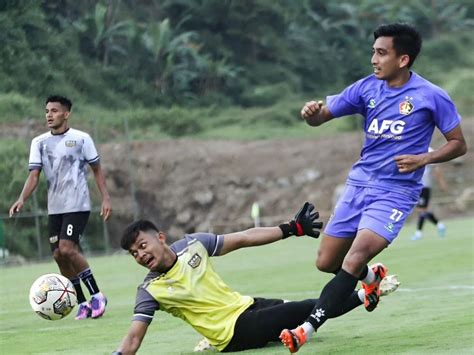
416 236
294 339
203 345
372 291
388 285
84 311
98 303
441 229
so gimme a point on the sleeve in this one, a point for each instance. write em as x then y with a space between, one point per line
212 242
445 114
90 152
348 102
35 162
145 306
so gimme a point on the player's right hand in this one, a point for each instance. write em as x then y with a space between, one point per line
15 208
311 108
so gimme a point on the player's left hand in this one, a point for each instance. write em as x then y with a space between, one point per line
409 162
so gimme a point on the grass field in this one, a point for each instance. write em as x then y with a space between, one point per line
432 312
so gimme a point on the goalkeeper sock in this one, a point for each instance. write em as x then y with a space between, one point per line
370 277
333 297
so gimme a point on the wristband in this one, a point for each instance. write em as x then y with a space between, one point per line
286 229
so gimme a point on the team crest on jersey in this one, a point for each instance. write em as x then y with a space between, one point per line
195 261
70 144
406 107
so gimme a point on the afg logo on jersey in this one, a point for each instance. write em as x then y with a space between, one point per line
406 107
70 144
380 127
195 261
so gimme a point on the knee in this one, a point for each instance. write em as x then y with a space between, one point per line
66 251
325 264
355 262
57 255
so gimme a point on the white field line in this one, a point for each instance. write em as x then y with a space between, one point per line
316 293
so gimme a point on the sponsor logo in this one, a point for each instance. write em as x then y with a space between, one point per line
406 107
195 261
53 239
389 227
318 314
395 127
70 144
371 103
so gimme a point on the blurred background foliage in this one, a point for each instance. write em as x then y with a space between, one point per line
237 69
247 53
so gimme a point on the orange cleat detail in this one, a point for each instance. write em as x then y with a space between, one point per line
372 291
293 339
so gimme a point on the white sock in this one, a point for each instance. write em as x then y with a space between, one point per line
370 277
308 329
361 294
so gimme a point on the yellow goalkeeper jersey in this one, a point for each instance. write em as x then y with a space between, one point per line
194 292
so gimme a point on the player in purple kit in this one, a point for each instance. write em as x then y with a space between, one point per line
401 110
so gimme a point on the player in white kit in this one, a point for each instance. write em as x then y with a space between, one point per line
64 155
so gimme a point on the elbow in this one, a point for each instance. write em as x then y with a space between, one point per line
463 149
314 123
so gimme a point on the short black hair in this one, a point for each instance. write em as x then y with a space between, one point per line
64 101
130 233
406 39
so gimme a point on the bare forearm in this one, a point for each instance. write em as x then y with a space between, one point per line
251 237
261 236
451 150
132 341
30 185
100 182
129 345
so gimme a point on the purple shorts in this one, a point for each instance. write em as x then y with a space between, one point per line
383 212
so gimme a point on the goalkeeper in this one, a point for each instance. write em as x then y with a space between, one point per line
182 282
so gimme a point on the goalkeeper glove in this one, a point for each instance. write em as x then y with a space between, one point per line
305 223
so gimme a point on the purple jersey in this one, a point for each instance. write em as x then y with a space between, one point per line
397 121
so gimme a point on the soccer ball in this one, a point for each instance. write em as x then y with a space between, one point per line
52 296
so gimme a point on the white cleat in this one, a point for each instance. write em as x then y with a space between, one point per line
203 345
388 285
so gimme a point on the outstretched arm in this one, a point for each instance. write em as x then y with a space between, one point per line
106 208
250 237
304 223
30 185
132 341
